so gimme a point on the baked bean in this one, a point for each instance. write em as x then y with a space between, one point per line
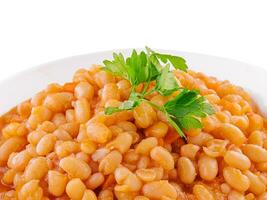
56 183
193 132
110 91
70 115
59 119
89 194
9 146
72 128
213 98
47 126
98 132
189 151
136 137
19 180
31 190
83 75
225 188
127 126
237 160
19 161
208 167
66 148
210 123
146 175
82 110
115 130
200 139
186 170
24 109
256 185
84 90
112 103
38 99
75 189
36 169
256 137
255 122
131 157
202 193
122 142
143 162
123 116
14 129
8 176
105 195
236 179
102 78
144 115
159 130
99 154
241 122
76 168
46 144
95 180
223 117
53 88
124 87
215 148
83 156
31 150
127 180
146 145
39 114
82 135
158 189
161 156
231 133
58 102
255 153
110 162
61 134
88 147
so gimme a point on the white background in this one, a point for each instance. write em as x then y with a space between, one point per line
33 32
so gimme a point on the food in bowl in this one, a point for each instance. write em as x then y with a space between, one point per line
133 129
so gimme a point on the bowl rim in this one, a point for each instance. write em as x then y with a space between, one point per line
35 67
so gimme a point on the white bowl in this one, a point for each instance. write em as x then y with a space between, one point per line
24 85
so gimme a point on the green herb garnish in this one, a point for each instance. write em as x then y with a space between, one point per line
183 112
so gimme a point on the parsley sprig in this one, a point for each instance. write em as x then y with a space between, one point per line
183 112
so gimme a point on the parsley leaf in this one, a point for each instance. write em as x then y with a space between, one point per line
140 68
166 83
176 61
187 108
117 66
137 68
